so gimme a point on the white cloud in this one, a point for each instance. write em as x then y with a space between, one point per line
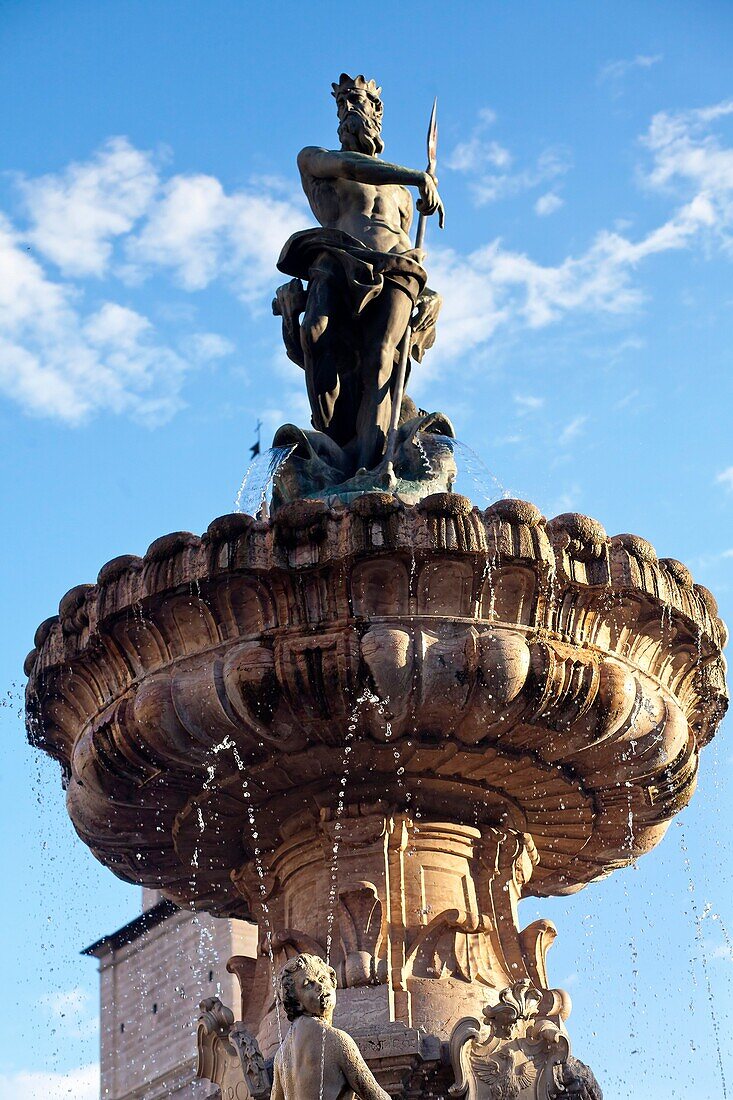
527 403
487 116
471 312
615 71
205 347
200 233
704 562
188 223
57 362
114 216
627 399
568 501
75 214
494 286
116 326
691 162
478 153
572 430
63 358
725 478
475 153
551 164
183 231
547 204
80 1084
477 150
618 350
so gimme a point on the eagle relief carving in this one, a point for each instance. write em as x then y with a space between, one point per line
505 1075
521 1051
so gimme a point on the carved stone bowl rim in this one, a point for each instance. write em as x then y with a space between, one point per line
571 550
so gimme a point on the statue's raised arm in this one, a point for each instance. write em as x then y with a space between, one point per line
327 164
365 291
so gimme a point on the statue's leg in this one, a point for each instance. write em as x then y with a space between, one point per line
323 354
385 321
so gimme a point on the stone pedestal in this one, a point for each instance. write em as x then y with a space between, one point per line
419 920
421 917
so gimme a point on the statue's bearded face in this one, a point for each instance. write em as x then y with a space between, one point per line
360 122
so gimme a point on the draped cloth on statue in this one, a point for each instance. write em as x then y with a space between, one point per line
314 252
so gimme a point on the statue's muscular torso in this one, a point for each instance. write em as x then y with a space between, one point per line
378 215
367 198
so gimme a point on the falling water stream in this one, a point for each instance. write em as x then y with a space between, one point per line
703 960
471 465
427 464
205 933
259 866
223 746
256 489
365 699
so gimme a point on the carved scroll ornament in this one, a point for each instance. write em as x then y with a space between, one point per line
521 1052
229 1055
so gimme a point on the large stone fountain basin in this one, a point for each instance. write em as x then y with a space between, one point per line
486 667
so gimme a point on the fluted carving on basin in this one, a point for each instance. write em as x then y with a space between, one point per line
545 678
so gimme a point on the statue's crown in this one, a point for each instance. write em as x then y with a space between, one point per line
346 83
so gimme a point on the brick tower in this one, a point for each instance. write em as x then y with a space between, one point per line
153 973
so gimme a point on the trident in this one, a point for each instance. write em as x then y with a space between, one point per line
399 389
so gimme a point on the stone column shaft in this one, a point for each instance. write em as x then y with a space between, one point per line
421 916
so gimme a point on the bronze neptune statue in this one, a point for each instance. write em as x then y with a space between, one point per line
366 310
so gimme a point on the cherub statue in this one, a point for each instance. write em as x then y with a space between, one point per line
317 1061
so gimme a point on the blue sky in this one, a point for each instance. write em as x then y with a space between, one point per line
148 181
